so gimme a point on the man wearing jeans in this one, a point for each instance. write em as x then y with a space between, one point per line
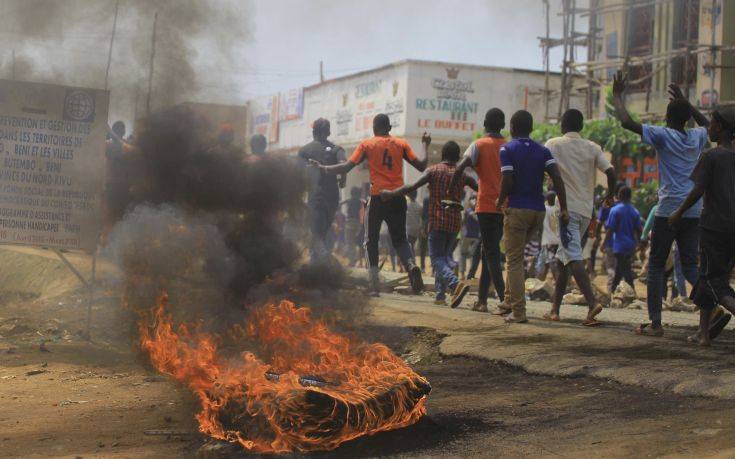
484 156
579 160
523 163
678 150
445 220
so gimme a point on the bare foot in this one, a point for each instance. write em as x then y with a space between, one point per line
552 316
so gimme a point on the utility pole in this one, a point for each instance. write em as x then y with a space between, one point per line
13 64
112 40
321 71
150 65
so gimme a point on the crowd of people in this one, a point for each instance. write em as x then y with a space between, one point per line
514 208
517 207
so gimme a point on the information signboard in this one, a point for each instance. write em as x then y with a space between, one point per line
52 145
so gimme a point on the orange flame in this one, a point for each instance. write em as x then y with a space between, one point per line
317 390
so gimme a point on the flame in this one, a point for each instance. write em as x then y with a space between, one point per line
313 389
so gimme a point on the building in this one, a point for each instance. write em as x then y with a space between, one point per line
656 43
446 100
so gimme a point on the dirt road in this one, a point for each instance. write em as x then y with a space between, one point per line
64 397
98 399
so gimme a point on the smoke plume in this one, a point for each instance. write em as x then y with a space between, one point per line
198 210
67 42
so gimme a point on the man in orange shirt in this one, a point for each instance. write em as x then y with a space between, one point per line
385 155
484 156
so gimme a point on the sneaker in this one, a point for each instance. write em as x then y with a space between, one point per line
480 307
416 279
439 302
459 294
719 324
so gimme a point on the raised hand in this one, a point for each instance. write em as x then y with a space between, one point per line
426 139
620 81
675 92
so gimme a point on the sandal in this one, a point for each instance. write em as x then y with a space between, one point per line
594 312
716 328
590 321
648 330
695 339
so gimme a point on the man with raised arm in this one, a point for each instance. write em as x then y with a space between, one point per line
713 179
385 155
445 220
677 150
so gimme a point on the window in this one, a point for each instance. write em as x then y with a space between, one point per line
686 28
640 43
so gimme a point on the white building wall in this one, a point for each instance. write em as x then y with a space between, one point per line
448 101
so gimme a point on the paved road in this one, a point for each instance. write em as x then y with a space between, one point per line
611 352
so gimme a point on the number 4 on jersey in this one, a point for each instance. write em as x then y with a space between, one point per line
387 160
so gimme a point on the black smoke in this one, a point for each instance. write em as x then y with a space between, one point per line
67 42
204 215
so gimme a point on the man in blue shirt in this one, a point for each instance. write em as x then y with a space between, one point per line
608 261
678 150
523 163
623 230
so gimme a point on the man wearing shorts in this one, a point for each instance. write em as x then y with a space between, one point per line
579 160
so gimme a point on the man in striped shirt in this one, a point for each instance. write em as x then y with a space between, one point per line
445 220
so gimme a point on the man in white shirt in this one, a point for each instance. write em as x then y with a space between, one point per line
579 160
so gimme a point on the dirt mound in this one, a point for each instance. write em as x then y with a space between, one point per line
36 273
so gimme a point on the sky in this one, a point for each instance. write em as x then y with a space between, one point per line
240 49
290 37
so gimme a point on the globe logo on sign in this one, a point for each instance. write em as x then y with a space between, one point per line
79 106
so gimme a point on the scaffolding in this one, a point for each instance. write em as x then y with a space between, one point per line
646 65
